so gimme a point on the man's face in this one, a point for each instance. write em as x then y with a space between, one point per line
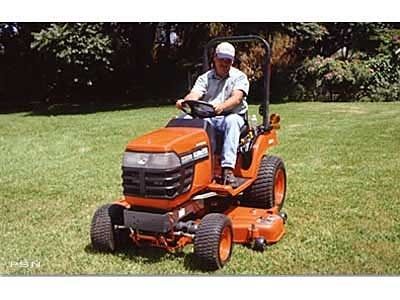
222 66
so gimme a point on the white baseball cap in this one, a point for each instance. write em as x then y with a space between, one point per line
225 50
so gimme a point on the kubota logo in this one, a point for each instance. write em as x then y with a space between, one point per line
142 161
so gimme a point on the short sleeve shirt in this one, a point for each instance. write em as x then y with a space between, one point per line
217 90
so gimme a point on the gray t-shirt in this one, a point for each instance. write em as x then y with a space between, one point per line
216 90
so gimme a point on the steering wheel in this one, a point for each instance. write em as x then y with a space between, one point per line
198 109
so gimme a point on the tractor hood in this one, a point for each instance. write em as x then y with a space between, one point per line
176 139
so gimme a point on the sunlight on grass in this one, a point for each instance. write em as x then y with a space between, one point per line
343 167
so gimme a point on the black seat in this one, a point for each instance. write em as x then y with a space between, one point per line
244 130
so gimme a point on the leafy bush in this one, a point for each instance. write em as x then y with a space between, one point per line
385 82
80 53
130 62
332 79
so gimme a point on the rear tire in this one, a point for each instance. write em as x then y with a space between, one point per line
103 235
269 189
213 242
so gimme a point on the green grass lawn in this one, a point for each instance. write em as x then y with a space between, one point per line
343 201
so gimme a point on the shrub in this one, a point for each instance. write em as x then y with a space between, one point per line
80 54
332 79
385 82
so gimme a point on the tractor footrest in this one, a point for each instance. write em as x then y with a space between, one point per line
227 190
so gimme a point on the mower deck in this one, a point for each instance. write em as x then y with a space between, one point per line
250 224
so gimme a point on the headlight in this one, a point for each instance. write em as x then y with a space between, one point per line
167 160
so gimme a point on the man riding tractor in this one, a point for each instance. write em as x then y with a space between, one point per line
173 193
226 88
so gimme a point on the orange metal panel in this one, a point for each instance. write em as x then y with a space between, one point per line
251 223
178 139
202 177
260 147
227 190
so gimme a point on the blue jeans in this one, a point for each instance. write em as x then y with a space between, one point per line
229 127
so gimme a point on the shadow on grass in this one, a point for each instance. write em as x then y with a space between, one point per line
37 108
40 109
82 108
92 107
151 255
192 263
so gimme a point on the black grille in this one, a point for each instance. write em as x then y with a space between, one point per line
156 183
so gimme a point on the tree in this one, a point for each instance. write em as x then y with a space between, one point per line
76 55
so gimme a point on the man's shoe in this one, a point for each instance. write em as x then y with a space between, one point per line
229 178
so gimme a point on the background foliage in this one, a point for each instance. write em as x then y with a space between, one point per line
48 63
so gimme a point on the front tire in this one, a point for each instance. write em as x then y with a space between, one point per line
103 235
269 189
213 242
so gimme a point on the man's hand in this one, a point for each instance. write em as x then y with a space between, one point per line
193 95
178 103
230 103
218 108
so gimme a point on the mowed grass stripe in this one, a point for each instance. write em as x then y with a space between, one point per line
342 161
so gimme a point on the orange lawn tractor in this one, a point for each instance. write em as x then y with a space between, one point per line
174 195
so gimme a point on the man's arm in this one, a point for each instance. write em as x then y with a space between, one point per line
191 96
200 87
230 103
240 90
